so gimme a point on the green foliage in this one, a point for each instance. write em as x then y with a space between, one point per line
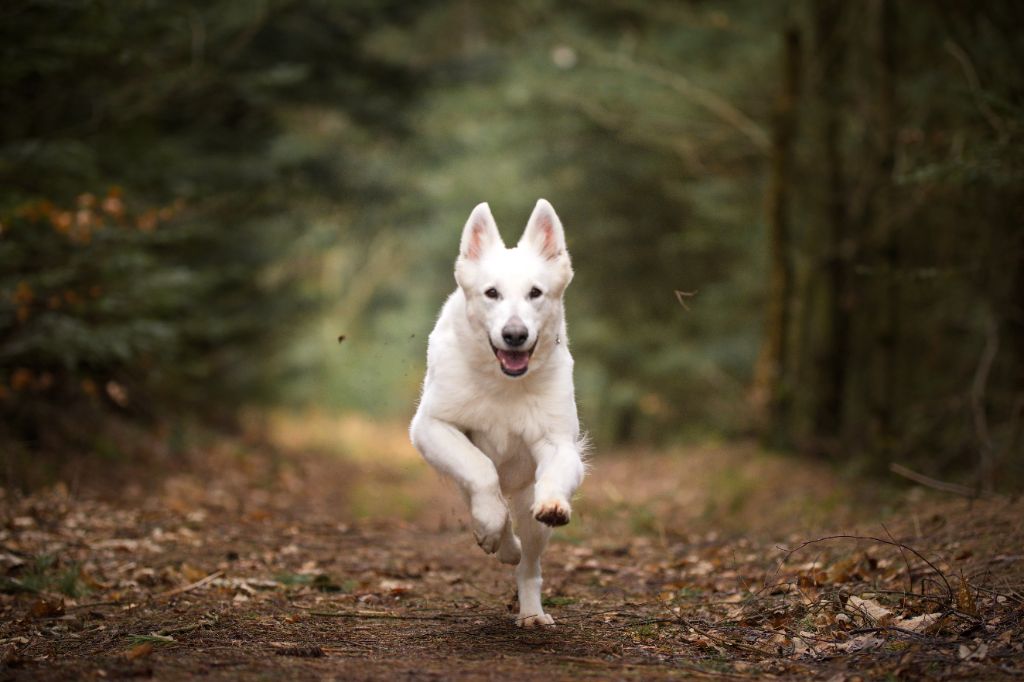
321 582
46 574
156 640
536 102
164 168
200 198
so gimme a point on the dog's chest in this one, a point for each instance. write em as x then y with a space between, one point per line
503 429
500 445
501 413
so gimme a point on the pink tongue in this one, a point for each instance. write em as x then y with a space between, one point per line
514 360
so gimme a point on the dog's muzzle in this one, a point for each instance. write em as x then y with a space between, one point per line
514 363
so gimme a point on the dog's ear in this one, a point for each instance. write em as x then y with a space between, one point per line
544 231
480 233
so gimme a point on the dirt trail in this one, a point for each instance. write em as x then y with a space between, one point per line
244 560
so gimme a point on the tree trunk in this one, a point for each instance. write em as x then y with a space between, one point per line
887 406
773 384
834 351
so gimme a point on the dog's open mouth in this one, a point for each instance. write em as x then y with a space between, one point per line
513 362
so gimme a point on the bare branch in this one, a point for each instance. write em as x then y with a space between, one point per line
703 97
891 543
986 452
190 586
930 482
971 74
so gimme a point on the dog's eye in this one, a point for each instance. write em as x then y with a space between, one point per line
491 293
536 293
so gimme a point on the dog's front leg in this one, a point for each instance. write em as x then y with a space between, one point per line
559 474
449 451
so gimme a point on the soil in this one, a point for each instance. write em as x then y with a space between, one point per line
278 557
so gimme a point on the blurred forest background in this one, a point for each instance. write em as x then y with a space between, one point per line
797 221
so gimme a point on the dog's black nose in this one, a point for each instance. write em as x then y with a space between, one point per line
515 334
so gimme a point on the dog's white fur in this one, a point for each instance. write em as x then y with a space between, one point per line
508 442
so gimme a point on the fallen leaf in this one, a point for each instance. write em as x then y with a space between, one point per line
139 651
842 571
152 638
192 573
860 643
48 608
923 623
395 586
801 646
964 598
966 653
9 655
870 608
9 561
702 567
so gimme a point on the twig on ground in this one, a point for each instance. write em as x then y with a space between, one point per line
791 552
585 615
191 586
906 561
382 615
890 628
92 605
152 638
182 629
995 593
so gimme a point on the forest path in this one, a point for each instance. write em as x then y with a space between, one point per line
246 560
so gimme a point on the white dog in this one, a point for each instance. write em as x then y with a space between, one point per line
498 414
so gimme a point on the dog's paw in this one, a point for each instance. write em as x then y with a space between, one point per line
552 512
490 519
535 620
510 551
488 542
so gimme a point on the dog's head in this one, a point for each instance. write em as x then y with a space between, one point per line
514 296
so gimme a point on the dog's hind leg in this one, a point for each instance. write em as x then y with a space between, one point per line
510 550
449 451
534 538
